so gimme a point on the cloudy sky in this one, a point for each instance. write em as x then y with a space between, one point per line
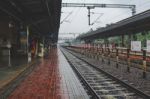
77 21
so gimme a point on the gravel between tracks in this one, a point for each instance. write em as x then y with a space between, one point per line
104 86
134 78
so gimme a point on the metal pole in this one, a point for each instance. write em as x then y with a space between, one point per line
144 64
128 53
128 60
109 55
122 37
144 57
27 39
117 58
9 60
89 15
28 53
102 54
133 10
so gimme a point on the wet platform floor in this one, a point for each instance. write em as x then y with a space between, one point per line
53 78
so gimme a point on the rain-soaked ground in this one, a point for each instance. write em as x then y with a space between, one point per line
53 78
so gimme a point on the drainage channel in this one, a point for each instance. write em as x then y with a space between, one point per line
103 86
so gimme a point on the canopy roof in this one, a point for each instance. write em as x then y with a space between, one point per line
131 25
43 15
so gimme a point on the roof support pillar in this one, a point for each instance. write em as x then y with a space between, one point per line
129 41
144 33
122 40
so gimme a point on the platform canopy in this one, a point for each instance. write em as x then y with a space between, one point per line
135 24
43 15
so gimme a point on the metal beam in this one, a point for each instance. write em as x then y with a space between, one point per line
10 10
95 5
48 8
24 11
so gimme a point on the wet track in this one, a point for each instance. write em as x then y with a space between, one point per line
104 86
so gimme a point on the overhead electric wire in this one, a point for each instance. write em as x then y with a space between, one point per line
79 9
97 19
65 18
108 20
122 13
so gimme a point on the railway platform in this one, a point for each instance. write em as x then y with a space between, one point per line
52 78
61 75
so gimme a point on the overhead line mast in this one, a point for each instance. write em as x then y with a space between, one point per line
90 6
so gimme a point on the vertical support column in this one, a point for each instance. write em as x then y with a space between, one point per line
91 50
102 54
122 38
9 54
98 52
28 52
88 54
43 47
89 15
27 39
9 43
144 56
117 58
86 49
108 55
108 50
145 38
128 53
94 51
80 51
97 46
37 47
144 64
129 41
82 48
128 60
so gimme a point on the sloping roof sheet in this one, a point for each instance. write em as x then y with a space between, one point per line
134 24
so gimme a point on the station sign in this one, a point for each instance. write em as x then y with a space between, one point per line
135 45
148 45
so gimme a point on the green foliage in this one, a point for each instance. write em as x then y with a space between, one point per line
118 39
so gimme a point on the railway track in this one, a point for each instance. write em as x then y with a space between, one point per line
99 84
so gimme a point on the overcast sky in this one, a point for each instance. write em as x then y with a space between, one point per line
77 22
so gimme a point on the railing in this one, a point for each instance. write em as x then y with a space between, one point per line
117 54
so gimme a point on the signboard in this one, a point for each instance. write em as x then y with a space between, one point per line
148 45
135 45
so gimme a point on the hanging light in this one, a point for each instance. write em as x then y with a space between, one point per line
11 24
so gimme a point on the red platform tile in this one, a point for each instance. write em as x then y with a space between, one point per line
52 79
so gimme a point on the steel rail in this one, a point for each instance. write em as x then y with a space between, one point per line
79 75
145 96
